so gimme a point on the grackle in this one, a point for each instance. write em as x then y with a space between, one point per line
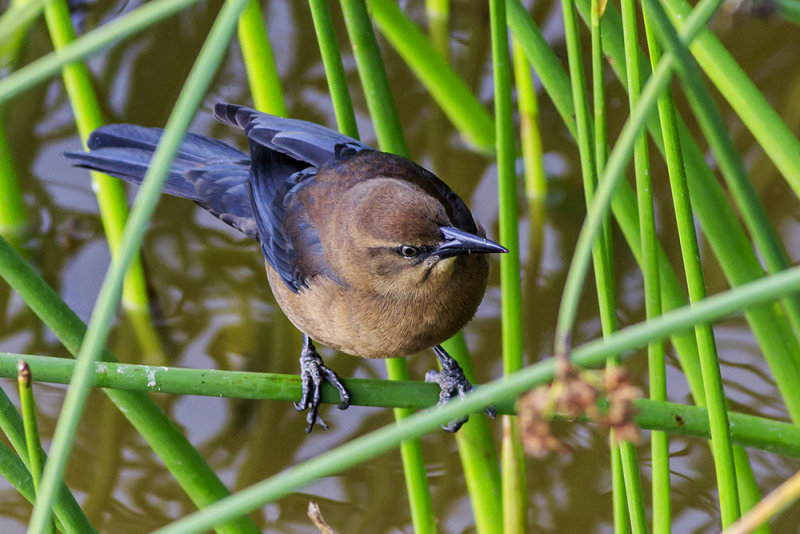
366 252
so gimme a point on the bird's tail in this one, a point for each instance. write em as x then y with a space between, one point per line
125 151
205 170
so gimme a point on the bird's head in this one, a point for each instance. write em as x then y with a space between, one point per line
398 240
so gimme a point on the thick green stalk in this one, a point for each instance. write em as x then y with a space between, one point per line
514 484
509 387
390 138
678 419
13 220
652 285
446 87
14 25
373 77
334 70
110 191
143 207
259 61
94 41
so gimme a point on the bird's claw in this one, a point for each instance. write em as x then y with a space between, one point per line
452 384
313 373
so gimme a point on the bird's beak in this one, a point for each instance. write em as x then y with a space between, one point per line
458 242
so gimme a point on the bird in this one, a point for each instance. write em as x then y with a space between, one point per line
366 252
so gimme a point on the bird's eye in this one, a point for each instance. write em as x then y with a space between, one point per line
408 251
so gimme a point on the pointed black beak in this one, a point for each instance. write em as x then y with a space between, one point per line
458 242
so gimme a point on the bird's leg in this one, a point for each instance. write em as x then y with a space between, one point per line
313 372
453 383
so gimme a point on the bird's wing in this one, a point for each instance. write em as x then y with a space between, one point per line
205 170
285 155
301 140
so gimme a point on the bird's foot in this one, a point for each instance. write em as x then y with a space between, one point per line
312 373
452 383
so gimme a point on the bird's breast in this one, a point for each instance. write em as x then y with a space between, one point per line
370 325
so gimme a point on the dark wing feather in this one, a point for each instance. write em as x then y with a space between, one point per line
301 140
207 171
285 155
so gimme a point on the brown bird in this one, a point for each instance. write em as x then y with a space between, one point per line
366 252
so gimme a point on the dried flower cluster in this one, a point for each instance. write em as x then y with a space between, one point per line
575 393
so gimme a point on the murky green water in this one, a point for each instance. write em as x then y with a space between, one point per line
214 309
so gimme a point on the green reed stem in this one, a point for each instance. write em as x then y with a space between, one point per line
721 226
513 459
15 473
500 390
789 10
13 220
731 246
530 135
373 77
476 448
265 85
334 70
513 452
477 451
652 285
619 494
390 138
600 250
437 12
32 441
69 516
28 408
679 419
92 346
772 134
86 45
614 171
769 130
110 192
448 90
14 25
686 231
712 125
